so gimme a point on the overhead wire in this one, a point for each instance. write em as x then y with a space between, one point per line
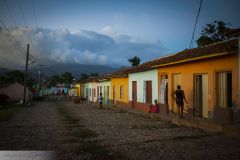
10 13
22 13
199 9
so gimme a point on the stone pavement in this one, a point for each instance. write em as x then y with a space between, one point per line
119 133
188 121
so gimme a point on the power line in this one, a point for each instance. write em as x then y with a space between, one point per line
199 9
10 13
34 13
6 31
22 13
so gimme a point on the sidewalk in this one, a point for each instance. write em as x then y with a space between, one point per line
196 122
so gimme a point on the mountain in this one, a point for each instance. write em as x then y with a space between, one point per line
3 71
76 69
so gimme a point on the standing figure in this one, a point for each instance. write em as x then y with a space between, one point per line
100 99
180 96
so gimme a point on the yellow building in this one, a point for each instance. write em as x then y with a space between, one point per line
119 88
77 90
208 75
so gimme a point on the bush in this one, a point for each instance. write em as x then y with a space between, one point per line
3 98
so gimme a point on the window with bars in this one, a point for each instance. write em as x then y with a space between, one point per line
121 92
224 89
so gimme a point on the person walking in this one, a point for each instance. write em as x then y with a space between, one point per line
180 96
100 99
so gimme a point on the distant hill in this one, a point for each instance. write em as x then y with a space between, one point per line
75 69
57 69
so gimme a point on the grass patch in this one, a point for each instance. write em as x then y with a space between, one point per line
8 110
83 135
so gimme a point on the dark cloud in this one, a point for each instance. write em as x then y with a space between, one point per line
84 47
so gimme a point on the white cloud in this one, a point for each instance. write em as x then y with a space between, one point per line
84 47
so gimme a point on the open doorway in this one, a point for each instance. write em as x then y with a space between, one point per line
201 95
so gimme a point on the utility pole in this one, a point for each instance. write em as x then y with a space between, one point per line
26 76
39 79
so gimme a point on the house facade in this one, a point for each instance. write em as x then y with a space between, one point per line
15 92
209 77
92 90
119 90
143 88
104 86
83 90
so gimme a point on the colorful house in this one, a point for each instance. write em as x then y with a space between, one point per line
143 88
77 89
15 92
83 90
86 91
104 88
208 75
119 87
92 89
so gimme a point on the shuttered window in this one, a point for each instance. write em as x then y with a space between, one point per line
224 89
121 92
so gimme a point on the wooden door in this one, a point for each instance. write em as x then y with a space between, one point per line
149 92
198 98
134 93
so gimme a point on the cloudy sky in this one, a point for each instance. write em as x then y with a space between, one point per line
105 32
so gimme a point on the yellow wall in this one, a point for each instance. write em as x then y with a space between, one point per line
210 67
117 82
77 90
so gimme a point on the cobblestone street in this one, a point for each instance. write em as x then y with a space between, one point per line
82 131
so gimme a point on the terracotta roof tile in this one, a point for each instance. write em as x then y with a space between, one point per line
225 46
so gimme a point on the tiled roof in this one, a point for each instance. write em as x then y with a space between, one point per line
93 79
228 47
120 73
233 32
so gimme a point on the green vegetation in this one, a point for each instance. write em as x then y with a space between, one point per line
84 137
8 110
135 61
212 33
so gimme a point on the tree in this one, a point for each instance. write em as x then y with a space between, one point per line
135 61
67 77
93 74
83 77
55 80
12 77
212 33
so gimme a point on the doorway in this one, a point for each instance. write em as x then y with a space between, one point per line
176 81
201 95
163 95
134 93
114 92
